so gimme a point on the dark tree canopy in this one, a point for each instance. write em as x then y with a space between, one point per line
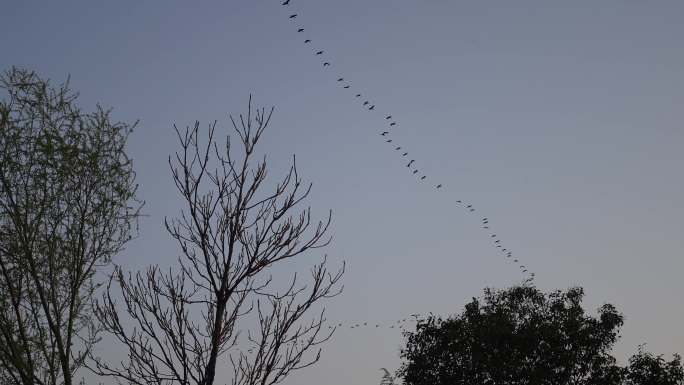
523 336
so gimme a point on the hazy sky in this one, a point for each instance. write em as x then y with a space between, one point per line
560 121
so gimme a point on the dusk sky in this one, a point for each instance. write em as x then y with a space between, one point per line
561 122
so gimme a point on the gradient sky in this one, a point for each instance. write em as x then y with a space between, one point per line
560 121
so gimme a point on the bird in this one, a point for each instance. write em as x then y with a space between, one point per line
504 250
410 163
384 133
340 79
423 177
485 219
404 154
372 107
307 41
300 30
515 260
458 201
469 206
497 241
398 148
366 103
415 171
388 117
358 95
493 235
485 227
389 141
393 124
319 53
439 186
346 86
326 64
524 270
293 16
286 2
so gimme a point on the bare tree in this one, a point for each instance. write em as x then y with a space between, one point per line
66 189
231 235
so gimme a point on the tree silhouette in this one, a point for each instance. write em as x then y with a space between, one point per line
231 235
67 204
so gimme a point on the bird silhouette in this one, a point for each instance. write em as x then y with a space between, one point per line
469 206
439 186
410 163
497 241
293 16
372 107
393 124
493 235
485 227
389 141
366 103
319 53
384 133
423 177
515 260
307 41
346 86
388 117
358 95
404 154
286 2
300 30
415 171
326 64
398 148
340 79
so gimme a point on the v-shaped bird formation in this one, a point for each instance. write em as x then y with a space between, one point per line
412 166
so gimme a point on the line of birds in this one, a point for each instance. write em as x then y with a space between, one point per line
411 164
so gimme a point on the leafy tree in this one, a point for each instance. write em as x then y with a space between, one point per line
222 298
523 336
67 205
647 369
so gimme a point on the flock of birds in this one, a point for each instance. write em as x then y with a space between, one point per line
414 171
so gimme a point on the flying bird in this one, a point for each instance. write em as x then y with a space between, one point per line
286 2
293 16
410 163
366 103
415 171
404 154
388 117
515 260
493 235
389 141
439 186
398 148
393 124
346 86
485 227
423 177
340 79
372 107
319 53
358 95
497 241
300 30
326 64
384 133
307 41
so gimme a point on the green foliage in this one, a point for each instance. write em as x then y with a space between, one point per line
67 205
523 336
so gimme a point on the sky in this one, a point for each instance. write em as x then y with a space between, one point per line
561 122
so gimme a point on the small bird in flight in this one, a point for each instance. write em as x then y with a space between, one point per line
389 141
300 30
286 2
398 148
293 16
366 103
439 186
326 64
340 79
358 95
307 41
410 163
389 117
415 171
393 124
346 86
423 177
493 235
404 154
515 260
319 53
485 227
372 107
384 133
